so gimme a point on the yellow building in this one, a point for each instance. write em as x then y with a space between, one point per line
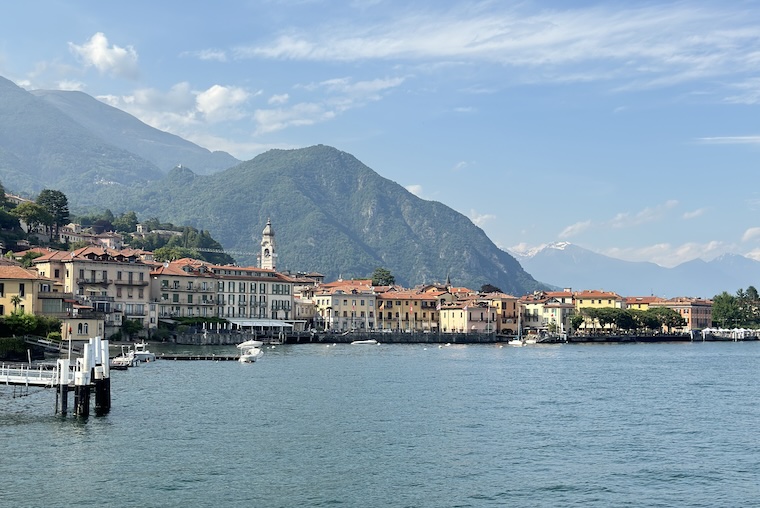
19 289
596 299
409 310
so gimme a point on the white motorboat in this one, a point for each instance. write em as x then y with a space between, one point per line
250 351
516 342
368 341
140 353
250 355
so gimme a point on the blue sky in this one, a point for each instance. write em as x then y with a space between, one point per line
628 128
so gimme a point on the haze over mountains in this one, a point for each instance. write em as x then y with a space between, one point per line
567 265
330 212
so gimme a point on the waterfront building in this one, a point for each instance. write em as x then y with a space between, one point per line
641 303
507 309
112 282
696 312
467 316
547 311
346 305
20 289
183 288
589 300
252 293
408 310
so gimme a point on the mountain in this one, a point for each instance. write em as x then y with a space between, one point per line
124 131
42 147
331 213
334 215
73 143
567 265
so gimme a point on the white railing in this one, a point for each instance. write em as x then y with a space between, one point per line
24 375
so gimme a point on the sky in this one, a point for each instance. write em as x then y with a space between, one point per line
627 128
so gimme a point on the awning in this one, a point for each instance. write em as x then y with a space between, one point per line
245 323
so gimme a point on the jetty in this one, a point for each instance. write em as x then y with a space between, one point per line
90 372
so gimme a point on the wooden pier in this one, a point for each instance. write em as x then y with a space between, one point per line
213 358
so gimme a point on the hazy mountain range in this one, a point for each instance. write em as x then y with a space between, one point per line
331 213
570 266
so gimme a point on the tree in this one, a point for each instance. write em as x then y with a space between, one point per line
132 327
382 277
26 259
33 215
173 253
57 205
126 222
726 311
15 300
488 288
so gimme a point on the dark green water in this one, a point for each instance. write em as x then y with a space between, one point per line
392 425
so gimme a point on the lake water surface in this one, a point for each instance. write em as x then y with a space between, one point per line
404 425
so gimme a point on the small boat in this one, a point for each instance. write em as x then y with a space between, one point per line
250 355
516 342
250 351
141 353
368 341
123 361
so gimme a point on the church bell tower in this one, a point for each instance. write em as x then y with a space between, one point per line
267 256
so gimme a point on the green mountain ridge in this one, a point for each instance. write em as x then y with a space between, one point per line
331 213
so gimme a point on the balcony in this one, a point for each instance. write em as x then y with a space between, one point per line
120 282
94 282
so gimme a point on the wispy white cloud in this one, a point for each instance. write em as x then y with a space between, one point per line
480 219
694 214
665 254
337 96
461 165
108 59
751 234
731 140
217 55
649 214
415 189
279 99
653 45
298 115
71 85
575 229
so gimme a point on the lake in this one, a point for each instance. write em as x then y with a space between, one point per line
596 425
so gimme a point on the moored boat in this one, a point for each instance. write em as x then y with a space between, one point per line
368 341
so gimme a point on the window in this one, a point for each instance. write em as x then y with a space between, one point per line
105 275
21 289
81 274
2 290
140 293
189 298
175 298
142 276
57 273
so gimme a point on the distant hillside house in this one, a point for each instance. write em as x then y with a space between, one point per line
73 233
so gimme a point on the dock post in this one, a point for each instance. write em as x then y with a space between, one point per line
102 379
63 386
82 384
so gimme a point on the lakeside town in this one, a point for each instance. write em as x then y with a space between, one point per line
110 290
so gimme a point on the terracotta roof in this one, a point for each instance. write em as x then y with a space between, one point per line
19 272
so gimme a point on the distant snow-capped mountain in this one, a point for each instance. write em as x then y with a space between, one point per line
566 265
